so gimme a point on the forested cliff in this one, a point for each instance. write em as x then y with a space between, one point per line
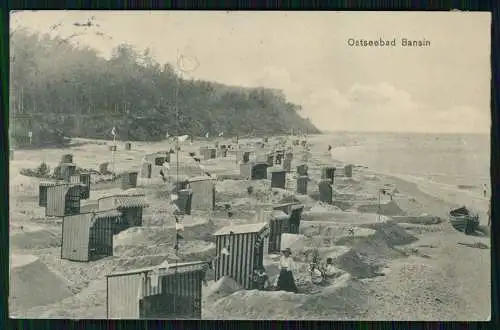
59 86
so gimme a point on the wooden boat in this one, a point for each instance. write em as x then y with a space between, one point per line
464 220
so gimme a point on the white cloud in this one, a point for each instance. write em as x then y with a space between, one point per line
383 107
330 96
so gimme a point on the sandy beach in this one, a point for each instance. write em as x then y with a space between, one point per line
408 263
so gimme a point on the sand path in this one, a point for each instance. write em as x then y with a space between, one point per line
454 284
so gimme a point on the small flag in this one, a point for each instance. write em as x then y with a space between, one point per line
113 131
163 176
164 264
178 228
176 208
142 287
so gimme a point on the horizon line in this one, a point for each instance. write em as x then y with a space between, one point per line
406 132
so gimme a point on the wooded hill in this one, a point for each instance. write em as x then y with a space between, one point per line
73 90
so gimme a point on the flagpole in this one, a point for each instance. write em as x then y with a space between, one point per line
177 182
378 210
179 226
113 152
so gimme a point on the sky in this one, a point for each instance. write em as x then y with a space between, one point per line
443 88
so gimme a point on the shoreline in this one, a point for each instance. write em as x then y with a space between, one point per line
414 188
429 198
447 193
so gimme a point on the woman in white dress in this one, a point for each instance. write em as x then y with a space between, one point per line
286 281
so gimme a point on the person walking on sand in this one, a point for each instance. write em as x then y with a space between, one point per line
286 281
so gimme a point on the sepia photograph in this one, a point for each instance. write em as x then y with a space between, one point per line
250 165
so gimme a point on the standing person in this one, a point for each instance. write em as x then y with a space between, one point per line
286 281
485 190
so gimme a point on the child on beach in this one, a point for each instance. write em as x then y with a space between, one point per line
316 274
261 279
330 270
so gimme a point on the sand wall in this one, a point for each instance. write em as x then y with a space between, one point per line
33 284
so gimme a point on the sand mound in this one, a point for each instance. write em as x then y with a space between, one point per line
293 241
224 286
419 220
18 260
343 217
389 209
34 284
370 177
330 233
370 254
165 249
195 228
133 191
348 182
341 300
90 303
33 240
357 265
392 234
20 185
79 274
123 264
139 242
134 235
255 304
323 208
344 300
229 189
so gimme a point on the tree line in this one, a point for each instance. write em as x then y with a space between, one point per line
57 86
